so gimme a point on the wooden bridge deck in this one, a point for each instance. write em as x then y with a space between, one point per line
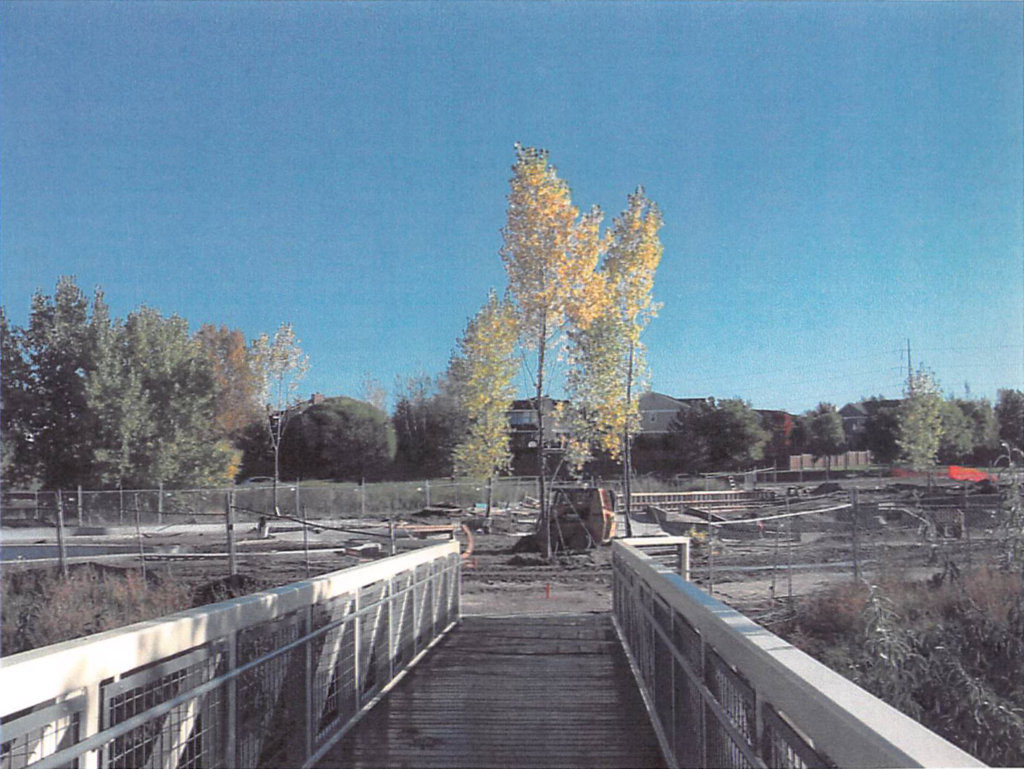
550 691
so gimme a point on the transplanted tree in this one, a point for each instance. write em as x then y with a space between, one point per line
608 358
825 433
920 418
550 254
280 367
482 372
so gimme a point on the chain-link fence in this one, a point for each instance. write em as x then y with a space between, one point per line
120 507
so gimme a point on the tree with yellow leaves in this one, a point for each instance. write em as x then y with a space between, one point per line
550 254
607 356
279 365
482 373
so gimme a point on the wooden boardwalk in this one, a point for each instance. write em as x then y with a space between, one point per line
550 691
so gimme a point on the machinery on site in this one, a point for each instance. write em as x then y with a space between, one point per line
581 517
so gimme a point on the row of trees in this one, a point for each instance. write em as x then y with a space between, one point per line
138 401
920 430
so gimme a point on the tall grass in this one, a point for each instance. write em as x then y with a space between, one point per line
948 652
39 608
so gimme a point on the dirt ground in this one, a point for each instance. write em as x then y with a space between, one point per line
497 580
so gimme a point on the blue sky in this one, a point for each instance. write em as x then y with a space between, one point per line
835 178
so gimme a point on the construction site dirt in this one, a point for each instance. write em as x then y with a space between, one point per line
758 560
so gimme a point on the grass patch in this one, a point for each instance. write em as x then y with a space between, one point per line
948 652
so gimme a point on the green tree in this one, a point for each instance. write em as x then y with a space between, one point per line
550 255
60 352
881 433
956 442
689 436
280 367
1010 414
736 437
825 432
722 435
920 417
340 438
428 425
984 429
482 372
16 400
153 391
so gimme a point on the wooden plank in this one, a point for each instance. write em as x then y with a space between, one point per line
511 692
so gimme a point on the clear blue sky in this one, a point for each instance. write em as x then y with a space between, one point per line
834 177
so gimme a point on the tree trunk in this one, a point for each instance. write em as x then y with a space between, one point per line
545 523
627 452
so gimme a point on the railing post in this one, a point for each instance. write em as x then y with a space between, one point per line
80 505
357 678
231 702
91 724
308 683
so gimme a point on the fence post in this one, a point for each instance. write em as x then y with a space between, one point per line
362 497
80 504
138 533
62 551
856 532
160 503
120 504
426 487
789 561
711 556
490 495
229 523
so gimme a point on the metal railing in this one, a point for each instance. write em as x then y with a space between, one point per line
724 692
270 679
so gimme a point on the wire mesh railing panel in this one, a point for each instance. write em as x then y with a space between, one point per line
272 680
264 700
784 747
334 696
724 692
186 736
28 737
736 700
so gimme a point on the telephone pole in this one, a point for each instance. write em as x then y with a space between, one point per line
910 368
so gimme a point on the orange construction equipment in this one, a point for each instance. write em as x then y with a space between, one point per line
581 517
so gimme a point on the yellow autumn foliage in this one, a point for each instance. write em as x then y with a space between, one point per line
482 373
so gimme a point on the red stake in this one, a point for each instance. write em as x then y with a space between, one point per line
547 590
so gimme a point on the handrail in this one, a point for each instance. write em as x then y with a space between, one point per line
219 679
726 692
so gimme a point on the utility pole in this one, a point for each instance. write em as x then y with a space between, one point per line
910 368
